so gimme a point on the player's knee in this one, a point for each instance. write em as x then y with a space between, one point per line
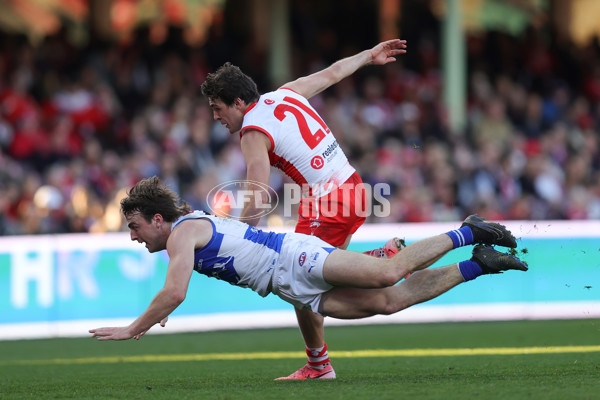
391 307
386 279
379 305
392 300
390 276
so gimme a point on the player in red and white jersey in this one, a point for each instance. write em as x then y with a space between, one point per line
281 129
301 144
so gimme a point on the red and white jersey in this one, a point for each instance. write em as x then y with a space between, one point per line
302 146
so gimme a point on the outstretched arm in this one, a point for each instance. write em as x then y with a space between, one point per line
383 53
181 252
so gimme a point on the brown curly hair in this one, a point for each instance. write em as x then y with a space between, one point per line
149 197
229 83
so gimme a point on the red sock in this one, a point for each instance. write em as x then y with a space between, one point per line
318 357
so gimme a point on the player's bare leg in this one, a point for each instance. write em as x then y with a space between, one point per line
421 286
348 303
311 327
344 268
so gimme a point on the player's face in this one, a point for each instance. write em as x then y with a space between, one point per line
230 116
146 232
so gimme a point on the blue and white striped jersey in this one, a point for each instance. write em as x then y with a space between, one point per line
237 253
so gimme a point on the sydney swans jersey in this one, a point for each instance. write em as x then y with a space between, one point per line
302 146
237 253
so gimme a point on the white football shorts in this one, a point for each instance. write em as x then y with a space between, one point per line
298 279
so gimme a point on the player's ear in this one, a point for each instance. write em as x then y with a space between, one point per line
157 219
239 103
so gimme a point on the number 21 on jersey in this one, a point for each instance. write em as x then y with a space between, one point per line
295 108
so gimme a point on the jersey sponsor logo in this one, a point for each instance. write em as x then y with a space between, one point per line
331 149
317 162
269 101
302 258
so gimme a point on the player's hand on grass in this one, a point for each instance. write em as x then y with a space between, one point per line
112 333
120 333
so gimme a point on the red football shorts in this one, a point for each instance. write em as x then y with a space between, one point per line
336 215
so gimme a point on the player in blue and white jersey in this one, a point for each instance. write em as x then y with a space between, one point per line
301 269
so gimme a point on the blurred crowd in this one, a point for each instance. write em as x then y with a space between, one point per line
78 127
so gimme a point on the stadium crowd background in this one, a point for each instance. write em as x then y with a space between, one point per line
78 126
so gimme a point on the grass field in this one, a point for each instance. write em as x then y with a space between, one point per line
492 360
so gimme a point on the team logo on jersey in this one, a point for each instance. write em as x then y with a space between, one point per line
269 101
317 162
302 258
314 225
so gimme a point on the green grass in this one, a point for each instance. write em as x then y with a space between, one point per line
81 368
